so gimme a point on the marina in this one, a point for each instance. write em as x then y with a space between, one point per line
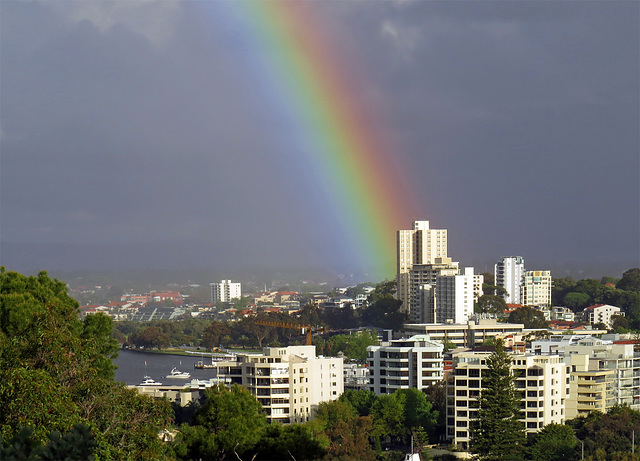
135 366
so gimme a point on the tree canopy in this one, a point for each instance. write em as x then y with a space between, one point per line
56 372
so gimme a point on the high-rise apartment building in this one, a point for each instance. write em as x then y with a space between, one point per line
420 245
541 381
508 275
422 287
536 288
225 291
440 294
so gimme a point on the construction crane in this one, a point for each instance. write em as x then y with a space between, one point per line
307 330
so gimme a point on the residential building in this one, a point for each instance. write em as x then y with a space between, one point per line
225 291
422 288
420 245
470 334
508 274
600 313
536 288
591 389
356 376
414 362
587 353
541 380
289 382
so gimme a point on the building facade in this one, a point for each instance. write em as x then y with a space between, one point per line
289 382
423 279
542 382
225 291
415 362
420 245
536 288
508 274
601 313
470 334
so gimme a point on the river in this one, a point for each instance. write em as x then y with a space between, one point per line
133 366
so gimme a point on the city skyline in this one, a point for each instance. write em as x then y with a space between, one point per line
163 135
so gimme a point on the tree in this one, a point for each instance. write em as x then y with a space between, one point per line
418 412
213 335
347 433
56 371
630 280
362 400
498 433
553 442
354 346
576 301
230 421
491 304
150 337
529 316
295 441
384 308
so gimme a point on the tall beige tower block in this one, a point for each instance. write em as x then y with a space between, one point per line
420 245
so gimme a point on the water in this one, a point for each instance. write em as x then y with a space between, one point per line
133 366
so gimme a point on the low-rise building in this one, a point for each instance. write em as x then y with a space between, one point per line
289 382
415 362
600 313
470 334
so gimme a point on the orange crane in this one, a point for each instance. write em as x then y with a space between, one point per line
303 329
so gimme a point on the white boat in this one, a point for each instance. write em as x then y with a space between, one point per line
149 382
178 374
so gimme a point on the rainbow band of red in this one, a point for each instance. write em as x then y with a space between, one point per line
348 148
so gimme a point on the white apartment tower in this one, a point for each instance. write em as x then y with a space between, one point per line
536 288
508 275
441 294
420 245
225 291
415 362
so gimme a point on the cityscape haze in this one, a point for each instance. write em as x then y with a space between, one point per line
158 135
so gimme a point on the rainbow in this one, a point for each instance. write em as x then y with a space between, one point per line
343 137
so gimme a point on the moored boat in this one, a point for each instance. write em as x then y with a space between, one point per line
148 381
178 374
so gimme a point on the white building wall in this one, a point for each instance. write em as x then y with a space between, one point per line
225 291
508 274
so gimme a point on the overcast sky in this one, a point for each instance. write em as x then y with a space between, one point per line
132 134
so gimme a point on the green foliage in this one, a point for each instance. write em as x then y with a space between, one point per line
353 346
491 304
383 309
529 316
630 280
553 442
347 433
611 433
230 421
498 434
56 372
294 441
361 400
576 301
150 337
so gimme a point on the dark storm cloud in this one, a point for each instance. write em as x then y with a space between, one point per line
139 123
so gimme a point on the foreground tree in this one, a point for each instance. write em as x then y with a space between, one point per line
498 433
56 371
229 423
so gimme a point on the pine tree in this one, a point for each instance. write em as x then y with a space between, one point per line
498 433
